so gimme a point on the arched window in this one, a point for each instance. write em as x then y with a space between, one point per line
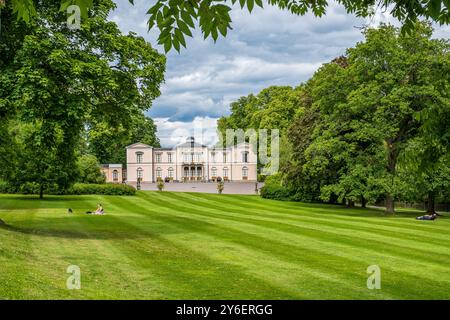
158 172
139 157
225 172
170 172
245 156
244 173
115 175
139 173
214 172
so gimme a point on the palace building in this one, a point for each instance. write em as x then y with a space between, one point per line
190 161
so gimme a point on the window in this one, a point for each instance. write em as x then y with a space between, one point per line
224 157
213 157
169 158
185 157
225 172
214 171
158 157
139 156
244 172
192 157
139 173
158 172
115 175
170 172
245 157
186 172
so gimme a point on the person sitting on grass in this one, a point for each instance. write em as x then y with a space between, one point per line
428 217
99 210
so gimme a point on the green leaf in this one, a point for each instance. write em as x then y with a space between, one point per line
176 44
180 37
223 29
187 18
184 28
250 5
167 44
434 8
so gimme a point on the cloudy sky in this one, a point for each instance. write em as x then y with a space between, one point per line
266 47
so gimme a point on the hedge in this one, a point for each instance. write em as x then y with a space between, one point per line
276 192
106 189
76 189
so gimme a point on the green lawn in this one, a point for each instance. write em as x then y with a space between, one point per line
203 246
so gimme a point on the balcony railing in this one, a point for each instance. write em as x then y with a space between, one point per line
192 163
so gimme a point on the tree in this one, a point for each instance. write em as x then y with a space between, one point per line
176 19
425 173
89 169
44 161
57 79
398 77
108 143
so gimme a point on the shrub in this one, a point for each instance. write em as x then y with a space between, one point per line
29 188
76 189
160 185
273 189
6 187
275 192
106 189
90 170
220 186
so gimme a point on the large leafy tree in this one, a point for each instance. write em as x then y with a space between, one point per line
398 77
57 79
108 144
376 109
176 19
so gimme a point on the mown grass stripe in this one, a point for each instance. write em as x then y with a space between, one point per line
314 267
295 233
336 229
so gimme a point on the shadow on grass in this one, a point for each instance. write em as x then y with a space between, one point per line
92 227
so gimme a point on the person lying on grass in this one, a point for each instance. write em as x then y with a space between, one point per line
428 217
99 210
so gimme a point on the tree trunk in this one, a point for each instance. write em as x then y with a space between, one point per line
363 202
389 204
344 201
350 204
431 203
392 162
41 192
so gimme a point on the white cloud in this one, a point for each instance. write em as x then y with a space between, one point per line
267 47
172 133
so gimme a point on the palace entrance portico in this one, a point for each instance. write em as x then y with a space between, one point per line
193 172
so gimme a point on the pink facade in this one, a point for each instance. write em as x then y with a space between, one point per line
190 161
